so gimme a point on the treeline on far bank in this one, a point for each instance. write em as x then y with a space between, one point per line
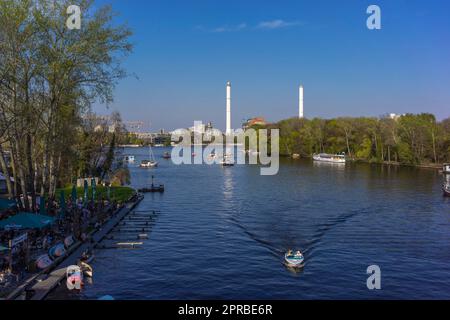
413 139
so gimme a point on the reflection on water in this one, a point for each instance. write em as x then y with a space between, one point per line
228 229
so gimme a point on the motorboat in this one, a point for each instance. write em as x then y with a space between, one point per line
295 260
129 159
446 168
333 158
446 189
227 161
166 155
212 156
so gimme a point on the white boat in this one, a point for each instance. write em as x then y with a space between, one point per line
149 163
227 161
74 277
294 259
325 157
446 168
129 159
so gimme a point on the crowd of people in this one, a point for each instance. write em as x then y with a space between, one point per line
76 220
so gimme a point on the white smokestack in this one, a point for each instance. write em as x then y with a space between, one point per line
300 103
228 108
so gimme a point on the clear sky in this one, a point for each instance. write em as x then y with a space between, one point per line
186 51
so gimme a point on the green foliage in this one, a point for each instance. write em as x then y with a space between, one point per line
410 139
118 193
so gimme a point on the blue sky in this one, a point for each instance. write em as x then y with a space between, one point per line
185 51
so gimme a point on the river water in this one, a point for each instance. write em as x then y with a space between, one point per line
221 234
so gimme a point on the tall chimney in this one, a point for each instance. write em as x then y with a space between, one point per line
300 103
228 108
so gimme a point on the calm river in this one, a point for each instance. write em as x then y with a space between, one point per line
222 233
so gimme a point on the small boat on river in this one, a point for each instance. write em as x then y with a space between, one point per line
446 190
43 262
227 161
446 168
153 188
166 155
332 158
57 251
149 163
294 260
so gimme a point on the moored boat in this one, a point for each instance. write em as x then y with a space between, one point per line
295 260
446 190
74 277
69 241
166 155
43 262
333 158
446 168
129 159
57 251
227 161
149 163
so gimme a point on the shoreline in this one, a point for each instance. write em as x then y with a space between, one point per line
438 166
44 282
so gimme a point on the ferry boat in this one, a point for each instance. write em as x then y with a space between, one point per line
295 260
446 168
325 157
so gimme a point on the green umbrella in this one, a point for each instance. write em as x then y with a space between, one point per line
94 189
2 248
86 188
62 204
74 195
26 220
42 205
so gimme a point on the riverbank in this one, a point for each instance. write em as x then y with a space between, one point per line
70 226
438 166
41 284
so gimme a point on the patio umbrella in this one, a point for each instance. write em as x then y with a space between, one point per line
86 188
26 220
42 205
2 248
62 204
94 189
74 195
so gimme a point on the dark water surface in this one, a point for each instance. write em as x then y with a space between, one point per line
222 233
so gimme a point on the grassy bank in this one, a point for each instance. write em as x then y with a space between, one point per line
117 193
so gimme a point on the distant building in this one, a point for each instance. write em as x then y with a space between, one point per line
392 116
